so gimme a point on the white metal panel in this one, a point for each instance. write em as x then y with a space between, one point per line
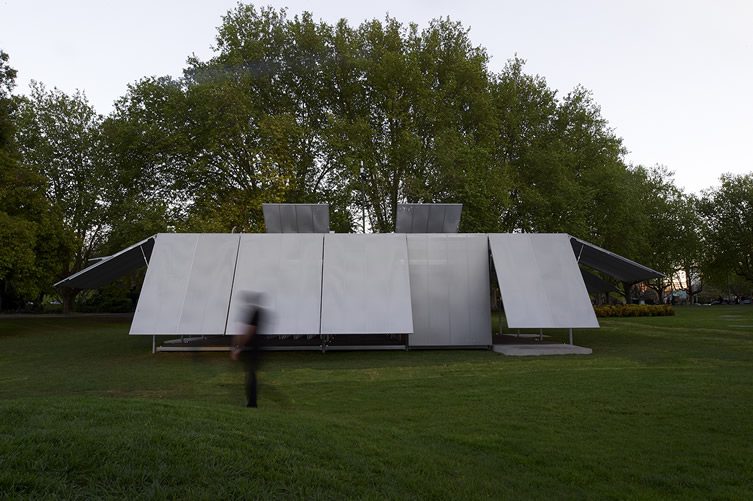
286 268
540 281
207 297
187 285
296 218
108 268
428 218
365 285
449 278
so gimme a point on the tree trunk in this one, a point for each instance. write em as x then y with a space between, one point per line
689 281
628 296
68 295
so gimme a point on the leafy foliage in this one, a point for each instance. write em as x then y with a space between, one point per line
634 310
32 239
728 212
291 109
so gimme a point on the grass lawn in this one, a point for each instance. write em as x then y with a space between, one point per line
662 409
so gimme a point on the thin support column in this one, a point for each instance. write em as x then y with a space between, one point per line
154 345
571 336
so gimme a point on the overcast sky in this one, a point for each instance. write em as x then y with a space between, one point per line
674 78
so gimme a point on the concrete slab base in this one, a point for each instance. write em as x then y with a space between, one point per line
537 350
523 336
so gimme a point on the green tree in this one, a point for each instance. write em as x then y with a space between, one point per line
257 109
728 236
138 144
32 241
688 245
563 163
59 137
413 121
293 110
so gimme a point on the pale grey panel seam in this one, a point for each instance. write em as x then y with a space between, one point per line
232 282
407 273
321 286
143 254
188 283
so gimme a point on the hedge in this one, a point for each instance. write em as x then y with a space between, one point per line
634 310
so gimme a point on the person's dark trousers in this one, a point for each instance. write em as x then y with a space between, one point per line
250 387
250 362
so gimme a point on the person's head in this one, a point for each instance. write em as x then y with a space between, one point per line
254 298
251 297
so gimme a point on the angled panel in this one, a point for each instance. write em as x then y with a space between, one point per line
272 218
296 218
320 218
207 297
109 268
596 284
428 218
449 276
540 281
451 220
286 269
418 222
288 219
365 285
612 264
187 285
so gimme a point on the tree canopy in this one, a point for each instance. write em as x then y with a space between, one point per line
33 242
728 211
291 109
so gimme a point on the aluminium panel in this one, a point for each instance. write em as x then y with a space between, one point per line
272 218
296 218
595 284
428 218
109 268
540 281
612 264
449 280
418 217
286 270
187 285
288 219
366 285
444 218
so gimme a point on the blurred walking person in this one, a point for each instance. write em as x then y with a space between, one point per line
247 346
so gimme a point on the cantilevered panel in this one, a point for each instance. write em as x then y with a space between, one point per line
296 218
449 280
540 281
286 270
428 218
612 264
187 285
109 268
596 284
365 285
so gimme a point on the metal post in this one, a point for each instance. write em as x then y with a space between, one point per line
154 345
571 336
499 315
362 175
141 248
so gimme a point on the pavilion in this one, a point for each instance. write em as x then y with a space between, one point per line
424 286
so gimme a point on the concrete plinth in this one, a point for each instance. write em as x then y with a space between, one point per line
537 350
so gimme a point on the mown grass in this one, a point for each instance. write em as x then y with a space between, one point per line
662 409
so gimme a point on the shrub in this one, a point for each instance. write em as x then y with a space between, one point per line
634 310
